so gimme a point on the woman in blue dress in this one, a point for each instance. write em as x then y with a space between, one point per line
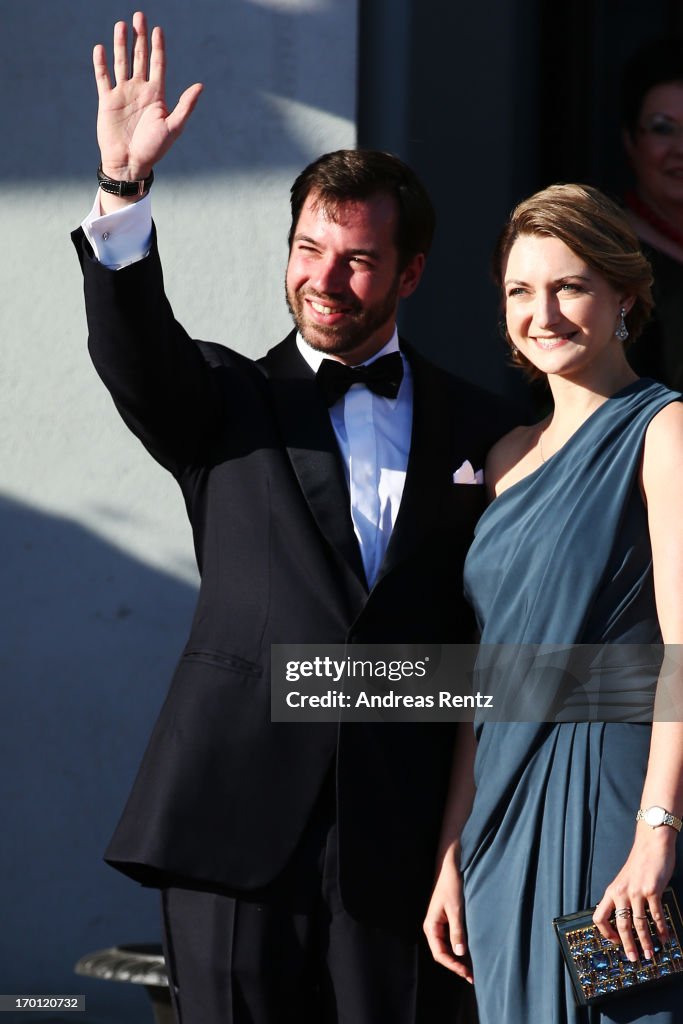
582 544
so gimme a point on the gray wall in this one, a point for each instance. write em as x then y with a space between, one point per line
98 577
453 90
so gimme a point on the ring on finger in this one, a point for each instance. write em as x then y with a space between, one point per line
623 912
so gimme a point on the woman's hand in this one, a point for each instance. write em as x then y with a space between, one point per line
134 126
444 924
639 885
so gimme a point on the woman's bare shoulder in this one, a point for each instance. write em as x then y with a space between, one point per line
663 451
506 460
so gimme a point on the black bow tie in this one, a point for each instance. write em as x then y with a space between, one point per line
383 377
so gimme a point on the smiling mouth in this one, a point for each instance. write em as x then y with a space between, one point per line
555 341
325 310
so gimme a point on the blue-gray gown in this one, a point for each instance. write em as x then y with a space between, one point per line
561 557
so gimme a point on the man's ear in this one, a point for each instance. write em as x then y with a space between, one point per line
411 274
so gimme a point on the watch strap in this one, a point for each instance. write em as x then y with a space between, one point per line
668 819
124 188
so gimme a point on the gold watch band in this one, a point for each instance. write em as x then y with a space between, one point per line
655 816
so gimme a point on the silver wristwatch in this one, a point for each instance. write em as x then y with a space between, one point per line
655 816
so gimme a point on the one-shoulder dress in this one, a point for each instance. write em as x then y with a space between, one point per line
561 557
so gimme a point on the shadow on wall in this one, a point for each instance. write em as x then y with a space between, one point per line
259 60
88 639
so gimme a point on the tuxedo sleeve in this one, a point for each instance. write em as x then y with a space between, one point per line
166 389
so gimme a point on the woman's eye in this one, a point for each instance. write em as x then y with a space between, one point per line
663 126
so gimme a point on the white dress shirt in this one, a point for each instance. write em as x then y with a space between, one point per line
373 432
120 238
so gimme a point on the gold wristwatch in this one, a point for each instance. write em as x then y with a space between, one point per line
655 816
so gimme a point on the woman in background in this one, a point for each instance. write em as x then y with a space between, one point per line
582 544
652 122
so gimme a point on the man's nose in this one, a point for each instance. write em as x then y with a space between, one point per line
330 276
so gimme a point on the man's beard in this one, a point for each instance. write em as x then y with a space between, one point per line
361 323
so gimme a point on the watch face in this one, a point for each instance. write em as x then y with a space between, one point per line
654 816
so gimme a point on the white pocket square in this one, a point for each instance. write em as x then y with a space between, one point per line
467 475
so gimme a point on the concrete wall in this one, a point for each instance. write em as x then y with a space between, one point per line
453 91
95 554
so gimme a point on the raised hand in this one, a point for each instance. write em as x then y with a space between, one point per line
134 126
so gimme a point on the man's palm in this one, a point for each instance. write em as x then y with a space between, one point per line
134 126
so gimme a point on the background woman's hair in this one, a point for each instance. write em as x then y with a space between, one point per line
656 63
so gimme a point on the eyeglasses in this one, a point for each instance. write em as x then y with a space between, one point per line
662 128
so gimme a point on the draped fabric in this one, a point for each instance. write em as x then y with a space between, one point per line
561 557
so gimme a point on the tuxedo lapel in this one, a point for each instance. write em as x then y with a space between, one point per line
308 436
427 476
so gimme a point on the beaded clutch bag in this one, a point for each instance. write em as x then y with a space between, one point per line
600 969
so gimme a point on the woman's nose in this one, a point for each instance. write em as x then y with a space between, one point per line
546 310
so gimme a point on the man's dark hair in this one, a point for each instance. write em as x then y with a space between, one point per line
349 175
656 63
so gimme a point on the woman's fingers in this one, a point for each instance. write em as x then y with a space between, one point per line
440 940
623 916
445 932
601 918
631 923
657 915
642 927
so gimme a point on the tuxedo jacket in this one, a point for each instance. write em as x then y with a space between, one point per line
223 794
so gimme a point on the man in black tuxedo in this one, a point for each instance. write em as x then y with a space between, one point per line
295 861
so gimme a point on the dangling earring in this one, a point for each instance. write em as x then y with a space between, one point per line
622 330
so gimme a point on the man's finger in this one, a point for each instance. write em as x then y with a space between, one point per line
99 63
120 52
140 48
157 62
177 119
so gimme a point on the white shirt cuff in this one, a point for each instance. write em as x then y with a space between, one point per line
121 238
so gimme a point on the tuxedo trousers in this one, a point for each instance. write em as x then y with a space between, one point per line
291 954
